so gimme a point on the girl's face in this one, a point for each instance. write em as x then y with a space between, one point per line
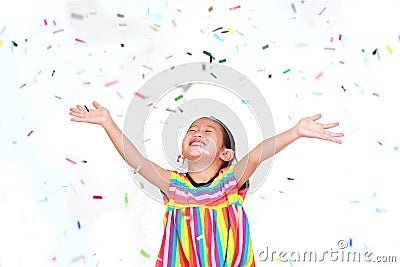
204 139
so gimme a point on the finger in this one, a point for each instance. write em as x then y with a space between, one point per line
76 113
74 110
79 119
330 125
334 134
81 108
336 140
96 104
316 117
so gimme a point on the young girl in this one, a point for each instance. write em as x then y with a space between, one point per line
205 223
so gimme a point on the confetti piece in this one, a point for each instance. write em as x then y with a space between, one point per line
340 37
29 134
120 16
281 192
1 43
178 97
61 30
344 90
207 53
54 22
374 52
291 179
270 76
79 40
70 160
122 45
322 11
2 30
170 110
111 83
212 74
380 143
319 75
173 67
14 43
222 60
181 110
217 29
120 96
316 93
199 237
188 53
144 253
141 185
224 31
45 22
331 39
389 49
245 101
52 74
22 86
82 182
380 210
265 46
218 37
139 95
290 262
235 7
126 199
79 225
210 9
173 23
329 48
375 94
147 67
350 242
294 8
97 197
286 71
77 16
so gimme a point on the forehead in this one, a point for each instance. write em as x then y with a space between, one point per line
206 122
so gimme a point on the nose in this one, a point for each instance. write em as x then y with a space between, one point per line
197 134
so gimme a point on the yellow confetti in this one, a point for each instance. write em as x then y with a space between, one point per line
387 47
229 30
82 182
1 43
278 259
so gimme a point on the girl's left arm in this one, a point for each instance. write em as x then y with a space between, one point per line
307 127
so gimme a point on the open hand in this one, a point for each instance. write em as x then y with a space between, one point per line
308 127
99 115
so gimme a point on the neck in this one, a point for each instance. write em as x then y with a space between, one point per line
201 173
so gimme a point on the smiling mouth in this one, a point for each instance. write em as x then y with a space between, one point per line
197 143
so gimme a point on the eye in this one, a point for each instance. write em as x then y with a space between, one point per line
191 130
208 131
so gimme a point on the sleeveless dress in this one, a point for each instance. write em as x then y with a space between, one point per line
205 224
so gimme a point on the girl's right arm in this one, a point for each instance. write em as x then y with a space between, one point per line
155 174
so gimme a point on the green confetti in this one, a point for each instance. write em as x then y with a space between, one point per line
170 110
157 25
181 110
212 74
222 60
178 97
207 53
126 198
173 67
144 253
203 66
141 185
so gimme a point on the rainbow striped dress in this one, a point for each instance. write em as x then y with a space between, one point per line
205 224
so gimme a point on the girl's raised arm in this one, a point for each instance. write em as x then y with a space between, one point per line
307 127
156 175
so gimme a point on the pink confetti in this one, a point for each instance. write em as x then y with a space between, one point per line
79 40
54 22
340 37
120 96
111 83
70 160
375 94
380 143
45 22
319 75
235 7
86 83
29 134
331 39
139 95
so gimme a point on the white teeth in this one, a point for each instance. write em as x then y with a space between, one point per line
196 144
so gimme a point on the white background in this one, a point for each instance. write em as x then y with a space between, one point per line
338 192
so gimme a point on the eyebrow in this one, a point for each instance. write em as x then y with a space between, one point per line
206 126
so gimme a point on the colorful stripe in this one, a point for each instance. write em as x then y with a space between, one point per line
206 226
